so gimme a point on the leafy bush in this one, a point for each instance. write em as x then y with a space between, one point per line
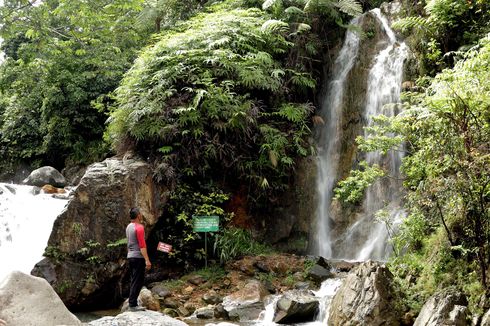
234 242
176 225
444 239
62 59
213 95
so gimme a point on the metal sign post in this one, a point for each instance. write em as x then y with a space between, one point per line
206 224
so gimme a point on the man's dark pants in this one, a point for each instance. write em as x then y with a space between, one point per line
137 272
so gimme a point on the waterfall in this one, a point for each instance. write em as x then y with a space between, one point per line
362 238
26 221
329 138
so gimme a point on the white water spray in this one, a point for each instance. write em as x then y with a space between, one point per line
325 295
26 221
364 238
330 139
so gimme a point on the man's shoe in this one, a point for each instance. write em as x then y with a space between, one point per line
137 308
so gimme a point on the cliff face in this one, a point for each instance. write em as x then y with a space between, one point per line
86 252
299 209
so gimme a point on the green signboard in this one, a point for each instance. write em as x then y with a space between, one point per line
206 223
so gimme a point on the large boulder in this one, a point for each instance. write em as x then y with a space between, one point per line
366 297
247 303
26 300
296 307
146 318
45 175
448 307
86 254
145 299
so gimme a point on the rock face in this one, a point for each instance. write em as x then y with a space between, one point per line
147 318
447 307
365 298
296 307
485 321
86 253
45 175
27 300
246 304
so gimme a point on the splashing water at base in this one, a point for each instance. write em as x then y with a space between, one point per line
325 294
26 221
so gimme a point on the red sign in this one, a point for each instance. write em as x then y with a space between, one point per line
165 247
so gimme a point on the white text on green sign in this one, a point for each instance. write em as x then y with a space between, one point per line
206 223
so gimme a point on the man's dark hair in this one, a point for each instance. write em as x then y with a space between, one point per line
133 213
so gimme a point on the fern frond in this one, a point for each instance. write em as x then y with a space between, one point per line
350 7
303 80
408 23
270 3
303 28
274 25
294 11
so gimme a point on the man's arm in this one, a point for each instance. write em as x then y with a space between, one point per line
140 235
147 259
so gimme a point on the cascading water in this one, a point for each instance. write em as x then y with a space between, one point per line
329 138
325 294
26 221
363 239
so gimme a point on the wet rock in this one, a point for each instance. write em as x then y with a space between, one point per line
296 307
190 307
74 174
246 304
188 290
302 285
196 280
205 313
183 312
319 274
161 291
447 307
30 301
485 321
220 312
262 267
270 286
148 300
319 260
11 189
171 303
147 318
95 217
145 299
343 266
49 189
212 297
45 175
170 312
366 297
35 191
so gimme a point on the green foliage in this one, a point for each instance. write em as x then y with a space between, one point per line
118 243
443 241
235 242
351 190
212 274
212 95
62 58
158 15
54 253
176 227
445 28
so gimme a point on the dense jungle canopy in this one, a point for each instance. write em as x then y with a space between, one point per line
220 95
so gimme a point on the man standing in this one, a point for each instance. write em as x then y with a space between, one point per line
137 257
